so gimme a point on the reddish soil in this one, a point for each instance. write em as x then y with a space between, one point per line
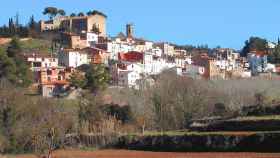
142 154
4 40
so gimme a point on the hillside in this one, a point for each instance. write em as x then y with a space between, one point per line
30 45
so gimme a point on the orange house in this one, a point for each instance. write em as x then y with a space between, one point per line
53 80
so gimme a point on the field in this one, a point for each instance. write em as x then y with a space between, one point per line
142 154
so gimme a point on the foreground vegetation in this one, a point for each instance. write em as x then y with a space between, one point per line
40 125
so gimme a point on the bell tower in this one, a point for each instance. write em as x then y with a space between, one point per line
129 30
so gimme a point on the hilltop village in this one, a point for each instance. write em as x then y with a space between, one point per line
66 83
130 60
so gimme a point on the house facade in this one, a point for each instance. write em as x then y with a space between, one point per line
72 58
77 24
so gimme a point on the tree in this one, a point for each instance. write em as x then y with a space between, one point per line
98 13
254 43
7 68
32 27
23 73
78 80
61 12
89 13
32 23
122 113
97 77
12 27
274 56
72 14
14 48
81 14
51 11
176 100
33 125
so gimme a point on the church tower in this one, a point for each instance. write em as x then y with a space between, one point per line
129 30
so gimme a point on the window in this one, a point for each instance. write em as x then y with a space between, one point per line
49 72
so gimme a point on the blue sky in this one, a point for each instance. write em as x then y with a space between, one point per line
227 23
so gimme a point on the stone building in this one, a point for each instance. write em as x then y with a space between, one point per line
77 24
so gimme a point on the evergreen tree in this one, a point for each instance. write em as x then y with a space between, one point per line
32 23
23 73
72 14
14 48
51 11
78 80
7 67
61 12
97 76
254 43
81 14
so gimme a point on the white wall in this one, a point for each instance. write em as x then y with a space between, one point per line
92 39
45 62
72 59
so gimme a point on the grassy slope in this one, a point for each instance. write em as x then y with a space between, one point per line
38 45
31 45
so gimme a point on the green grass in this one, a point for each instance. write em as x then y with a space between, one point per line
3 47
257 118
194 133
42 46
31 45
88 148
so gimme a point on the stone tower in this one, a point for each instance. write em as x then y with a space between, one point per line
129 30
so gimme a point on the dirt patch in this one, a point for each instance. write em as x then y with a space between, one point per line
4 41
142 154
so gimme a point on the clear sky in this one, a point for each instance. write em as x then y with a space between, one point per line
227 23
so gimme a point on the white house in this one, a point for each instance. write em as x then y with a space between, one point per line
40 61
157 52
129 75
143 46
167 48
72 58
115 47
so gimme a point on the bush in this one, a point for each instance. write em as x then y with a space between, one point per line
122 113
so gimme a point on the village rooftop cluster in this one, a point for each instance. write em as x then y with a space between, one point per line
131 60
